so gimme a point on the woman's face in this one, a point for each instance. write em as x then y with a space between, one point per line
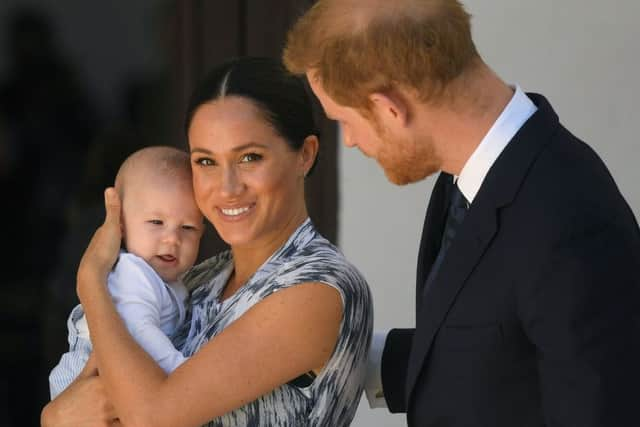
248 182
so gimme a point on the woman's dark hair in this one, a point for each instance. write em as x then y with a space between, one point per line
281 96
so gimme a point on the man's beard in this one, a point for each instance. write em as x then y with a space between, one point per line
405 162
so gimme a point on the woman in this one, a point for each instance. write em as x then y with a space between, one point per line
279 326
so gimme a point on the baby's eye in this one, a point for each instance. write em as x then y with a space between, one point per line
189 227
250 157
204 161
155 221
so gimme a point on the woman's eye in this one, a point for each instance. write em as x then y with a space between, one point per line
250 157
204 161
155 221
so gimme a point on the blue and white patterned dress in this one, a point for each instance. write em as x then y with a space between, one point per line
332 398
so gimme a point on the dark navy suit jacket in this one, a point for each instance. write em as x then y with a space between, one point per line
534 316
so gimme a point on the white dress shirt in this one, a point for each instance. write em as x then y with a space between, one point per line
512 118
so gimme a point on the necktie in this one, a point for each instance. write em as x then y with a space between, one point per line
458 207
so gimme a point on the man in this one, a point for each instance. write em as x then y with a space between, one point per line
528 278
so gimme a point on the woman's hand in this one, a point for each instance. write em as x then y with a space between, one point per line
83 404
102 252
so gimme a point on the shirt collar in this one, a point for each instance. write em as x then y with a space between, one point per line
515 114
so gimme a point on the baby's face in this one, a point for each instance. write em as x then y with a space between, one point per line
162 225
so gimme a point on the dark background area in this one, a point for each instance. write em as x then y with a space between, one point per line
82 85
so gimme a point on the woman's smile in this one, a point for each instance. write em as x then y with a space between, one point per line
236 214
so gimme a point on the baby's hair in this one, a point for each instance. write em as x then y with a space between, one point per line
158 161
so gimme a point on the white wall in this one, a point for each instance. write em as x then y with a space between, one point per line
582 55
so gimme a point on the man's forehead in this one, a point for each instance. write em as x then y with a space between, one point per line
316 86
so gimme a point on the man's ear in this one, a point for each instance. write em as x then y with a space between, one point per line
391 107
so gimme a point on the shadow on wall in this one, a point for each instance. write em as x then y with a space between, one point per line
48 122
57 154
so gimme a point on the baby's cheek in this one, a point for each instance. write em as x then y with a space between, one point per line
192 251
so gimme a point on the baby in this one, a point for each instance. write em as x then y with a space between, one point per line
161 228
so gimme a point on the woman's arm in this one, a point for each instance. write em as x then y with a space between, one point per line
290 332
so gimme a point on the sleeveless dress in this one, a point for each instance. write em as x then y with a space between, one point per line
333 397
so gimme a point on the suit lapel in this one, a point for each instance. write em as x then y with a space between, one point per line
475 234
464 254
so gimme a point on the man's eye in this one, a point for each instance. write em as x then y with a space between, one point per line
155 221
250 157
204 161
